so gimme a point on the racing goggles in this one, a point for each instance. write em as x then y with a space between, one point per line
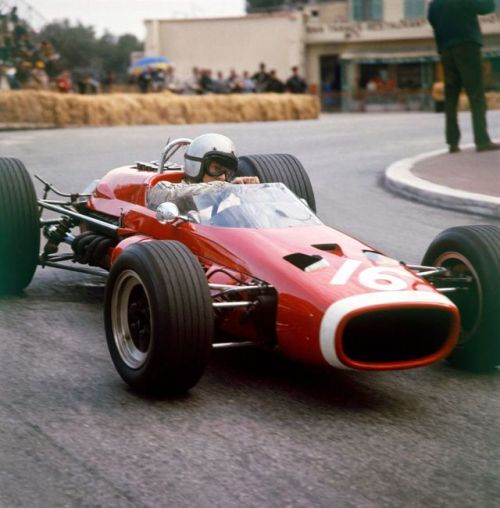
215 169
220 164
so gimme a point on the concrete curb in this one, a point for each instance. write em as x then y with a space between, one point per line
400 179
24 126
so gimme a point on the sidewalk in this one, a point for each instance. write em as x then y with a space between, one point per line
467 181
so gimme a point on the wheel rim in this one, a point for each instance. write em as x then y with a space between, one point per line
131 319
469 303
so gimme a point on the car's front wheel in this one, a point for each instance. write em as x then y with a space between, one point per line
472 255
158 317
19 227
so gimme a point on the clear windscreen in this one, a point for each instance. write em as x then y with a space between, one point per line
269 205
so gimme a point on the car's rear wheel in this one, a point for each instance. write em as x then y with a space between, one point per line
279 167
158 317
472 252
19 227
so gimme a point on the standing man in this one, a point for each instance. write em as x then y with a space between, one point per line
260 78
296 83
459 40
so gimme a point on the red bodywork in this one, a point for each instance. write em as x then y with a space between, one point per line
343 314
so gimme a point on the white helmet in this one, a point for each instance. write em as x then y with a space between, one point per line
207 148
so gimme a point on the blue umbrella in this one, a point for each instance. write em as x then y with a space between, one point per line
150 61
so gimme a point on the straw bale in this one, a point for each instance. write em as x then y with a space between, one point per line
492 101
62 110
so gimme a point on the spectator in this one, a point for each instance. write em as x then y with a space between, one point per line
274 84
23 72
157 80
220 84
12 78
371 85
4 80
172 83
296 83
107 82
247 83
261 78
234 82
92 84
459 40
81 85
49 56
87 84
206 81
144 80
192 84
39 78
63 82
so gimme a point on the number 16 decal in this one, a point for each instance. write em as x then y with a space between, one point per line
381 278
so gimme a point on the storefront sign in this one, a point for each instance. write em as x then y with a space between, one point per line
352 29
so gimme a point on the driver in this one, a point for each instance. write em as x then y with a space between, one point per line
210 164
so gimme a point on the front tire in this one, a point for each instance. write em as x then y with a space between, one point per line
158 317
279 167
19 227
473 251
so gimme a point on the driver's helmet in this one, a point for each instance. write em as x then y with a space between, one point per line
208 148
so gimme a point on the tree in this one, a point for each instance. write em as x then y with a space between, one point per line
80 49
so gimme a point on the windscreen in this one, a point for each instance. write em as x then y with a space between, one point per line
269 205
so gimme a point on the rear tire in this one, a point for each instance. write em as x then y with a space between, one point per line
158 317
19 227
473 251
279 167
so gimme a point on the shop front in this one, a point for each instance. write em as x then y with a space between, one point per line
384 65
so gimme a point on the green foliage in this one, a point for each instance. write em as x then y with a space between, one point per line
81 50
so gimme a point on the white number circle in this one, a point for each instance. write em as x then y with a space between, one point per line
383 278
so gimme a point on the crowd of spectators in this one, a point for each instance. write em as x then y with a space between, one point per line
24 62
27 63
203 81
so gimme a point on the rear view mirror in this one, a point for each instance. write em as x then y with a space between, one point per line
167 211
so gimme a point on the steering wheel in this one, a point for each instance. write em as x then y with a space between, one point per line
170 149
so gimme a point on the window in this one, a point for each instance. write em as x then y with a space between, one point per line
415 8
366 10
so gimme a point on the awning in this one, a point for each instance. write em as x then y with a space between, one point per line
372 57
411 56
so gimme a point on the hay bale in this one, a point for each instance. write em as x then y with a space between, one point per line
72 110
492 101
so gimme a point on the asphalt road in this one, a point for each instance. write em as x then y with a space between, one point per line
258 431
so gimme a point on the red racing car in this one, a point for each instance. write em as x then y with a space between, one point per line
250 264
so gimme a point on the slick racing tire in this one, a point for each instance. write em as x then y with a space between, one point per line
279 167
19 227
473 251
158 317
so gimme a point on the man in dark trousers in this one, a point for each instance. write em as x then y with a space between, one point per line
296 83
459 40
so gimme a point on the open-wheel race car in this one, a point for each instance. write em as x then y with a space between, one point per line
249 264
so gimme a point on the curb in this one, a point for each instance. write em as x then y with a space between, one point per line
400 179
23 126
